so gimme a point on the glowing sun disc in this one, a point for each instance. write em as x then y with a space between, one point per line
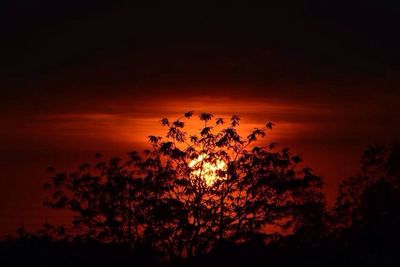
207 171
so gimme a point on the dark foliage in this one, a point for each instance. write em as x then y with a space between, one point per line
188 193
210 199
368 204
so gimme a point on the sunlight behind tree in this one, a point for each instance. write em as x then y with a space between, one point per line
210 172
188 193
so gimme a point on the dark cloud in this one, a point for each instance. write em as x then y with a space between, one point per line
135 43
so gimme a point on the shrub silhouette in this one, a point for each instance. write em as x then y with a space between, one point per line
188 193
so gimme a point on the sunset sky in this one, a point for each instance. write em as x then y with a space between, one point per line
79 78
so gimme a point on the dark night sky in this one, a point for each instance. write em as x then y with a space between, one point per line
77 78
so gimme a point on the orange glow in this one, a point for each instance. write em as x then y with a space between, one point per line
65 137
207 171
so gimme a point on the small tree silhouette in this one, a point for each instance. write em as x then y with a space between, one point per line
189 192
368 204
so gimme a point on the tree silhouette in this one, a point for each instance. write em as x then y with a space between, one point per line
368 204
187 193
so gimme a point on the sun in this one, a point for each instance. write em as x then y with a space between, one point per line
208 171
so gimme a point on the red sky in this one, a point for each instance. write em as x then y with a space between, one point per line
86 77
330 136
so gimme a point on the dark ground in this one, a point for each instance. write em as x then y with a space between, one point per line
43 253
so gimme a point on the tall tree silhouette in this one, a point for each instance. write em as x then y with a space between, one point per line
187 193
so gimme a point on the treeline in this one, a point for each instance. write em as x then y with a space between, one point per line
216 198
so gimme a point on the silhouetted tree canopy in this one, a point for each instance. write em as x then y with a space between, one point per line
188 192
368 204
